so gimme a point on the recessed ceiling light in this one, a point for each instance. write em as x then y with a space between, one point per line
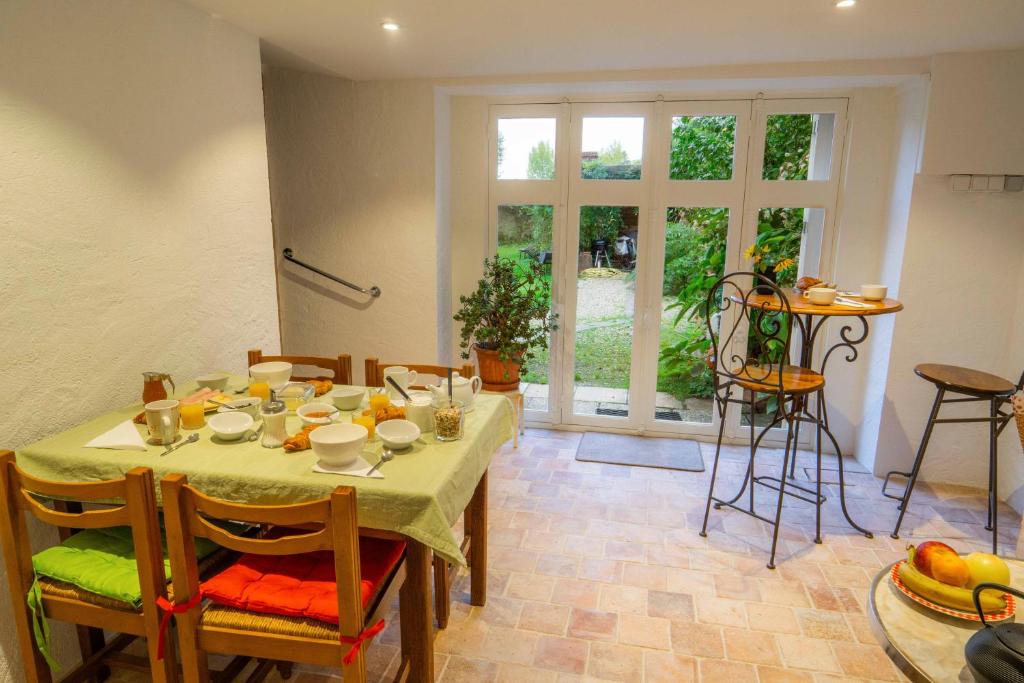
389 26
845 3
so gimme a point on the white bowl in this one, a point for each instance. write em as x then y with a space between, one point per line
230 426
398 434
338 445
250 406
303 412
274 373
348 398
215 380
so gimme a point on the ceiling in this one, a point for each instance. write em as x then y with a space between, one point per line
451 38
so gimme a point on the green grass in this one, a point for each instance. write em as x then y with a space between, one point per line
603 354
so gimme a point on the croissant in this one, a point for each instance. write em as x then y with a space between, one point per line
321 385
806 282
300 440
391 412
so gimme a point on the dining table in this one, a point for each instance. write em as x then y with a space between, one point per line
419 498
853 311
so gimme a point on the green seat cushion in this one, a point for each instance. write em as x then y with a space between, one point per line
102 561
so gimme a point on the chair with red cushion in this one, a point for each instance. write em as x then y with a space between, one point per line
312 590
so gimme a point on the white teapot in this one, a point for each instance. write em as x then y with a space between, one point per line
463 389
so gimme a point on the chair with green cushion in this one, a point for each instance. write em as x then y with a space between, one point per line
107 576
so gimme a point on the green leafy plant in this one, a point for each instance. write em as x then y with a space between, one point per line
510 311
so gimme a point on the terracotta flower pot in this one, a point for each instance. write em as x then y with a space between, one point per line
493 371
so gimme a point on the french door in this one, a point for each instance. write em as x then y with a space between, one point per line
627 206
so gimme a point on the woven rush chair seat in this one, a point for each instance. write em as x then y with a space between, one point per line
765 379
219 616
69 591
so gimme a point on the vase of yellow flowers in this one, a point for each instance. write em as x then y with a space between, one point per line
772 257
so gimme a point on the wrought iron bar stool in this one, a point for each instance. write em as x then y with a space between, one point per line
972 386
763 324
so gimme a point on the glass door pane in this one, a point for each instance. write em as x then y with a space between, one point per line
695 248
612 148
526 148
525 236
605 303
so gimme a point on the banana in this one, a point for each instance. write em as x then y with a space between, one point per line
944 594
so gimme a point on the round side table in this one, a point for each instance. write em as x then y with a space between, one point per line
925 645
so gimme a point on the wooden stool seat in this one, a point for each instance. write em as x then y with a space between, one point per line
795 380
965 380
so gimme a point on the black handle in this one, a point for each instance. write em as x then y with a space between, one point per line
990 586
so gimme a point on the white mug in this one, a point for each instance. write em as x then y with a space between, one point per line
162 419
821 296
403 376
873 292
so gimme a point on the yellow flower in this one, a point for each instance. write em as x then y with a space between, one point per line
784 264
757 259
749 253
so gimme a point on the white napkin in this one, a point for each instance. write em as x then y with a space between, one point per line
123 437
358 468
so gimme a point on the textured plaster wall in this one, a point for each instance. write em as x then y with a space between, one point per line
352 186
134 213
961 276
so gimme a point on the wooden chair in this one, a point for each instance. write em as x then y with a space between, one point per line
734 318
341 367
375 371
442 568
327 524
21 493
970 386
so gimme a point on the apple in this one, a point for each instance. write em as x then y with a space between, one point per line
942 563
986 568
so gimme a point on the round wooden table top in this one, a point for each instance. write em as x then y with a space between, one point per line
800 305
924 645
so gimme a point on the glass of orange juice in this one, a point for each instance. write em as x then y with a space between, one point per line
192 416
379 401
367 421
261 389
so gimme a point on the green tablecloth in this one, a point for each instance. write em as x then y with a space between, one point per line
423 492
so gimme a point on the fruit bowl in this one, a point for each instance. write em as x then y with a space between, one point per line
1011 605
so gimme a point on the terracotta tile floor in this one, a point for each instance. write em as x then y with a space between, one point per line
597 573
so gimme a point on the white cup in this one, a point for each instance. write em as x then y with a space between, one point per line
873 292
403 376
821 296
162 421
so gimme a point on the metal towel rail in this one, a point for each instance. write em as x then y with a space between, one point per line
289 256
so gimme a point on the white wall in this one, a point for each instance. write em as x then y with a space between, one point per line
352 188
134 213
960 280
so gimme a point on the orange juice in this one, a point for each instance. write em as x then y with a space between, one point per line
192 415
261 389
378 401
367 421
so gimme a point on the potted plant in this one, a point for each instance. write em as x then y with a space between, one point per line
506 319
770 255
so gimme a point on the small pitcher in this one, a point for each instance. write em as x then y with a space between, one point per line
153 386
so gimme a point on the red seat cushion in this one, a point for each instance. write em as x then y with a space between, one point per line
300 585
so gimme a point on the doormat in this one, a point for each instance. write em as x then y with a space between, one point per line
640 451
658 414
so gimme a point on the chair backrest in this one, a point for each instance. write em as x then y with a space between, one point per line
341 367
327 524
375 371
735 313
21 493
